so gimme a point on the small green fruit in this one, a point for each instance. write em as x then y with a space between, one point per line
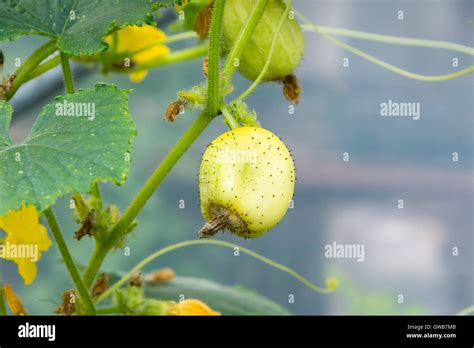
246 182
289 48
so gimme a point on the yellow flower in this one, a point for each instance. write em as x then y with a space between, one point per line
13 301
144 44
26 239
190 307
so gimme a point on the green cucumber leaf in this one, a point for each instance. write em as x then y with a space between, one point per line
79 26
64 154
228 300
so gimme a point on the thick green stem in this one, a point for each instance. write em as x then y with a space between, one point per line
68 261
169 248
23 72
243 38
76 278
213 84
198 126
68 81
143 195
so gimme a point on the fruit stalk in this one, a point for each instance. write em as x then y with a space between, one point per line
101 250
68 81
213 85
201 122
231 121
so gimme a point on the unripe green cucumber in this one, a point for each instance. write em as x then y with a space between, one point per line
289 48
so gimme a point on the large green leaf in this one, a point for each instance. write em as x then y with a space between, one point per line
79 26
229 300
63 154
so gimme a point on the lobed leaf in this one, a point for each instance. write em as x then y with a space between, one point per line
66 154
79 26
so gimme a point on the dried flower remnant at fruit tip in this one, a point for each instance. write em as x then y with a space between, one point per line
291 88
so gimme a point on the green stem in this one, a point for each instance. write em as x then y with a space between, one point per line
143 195
213 84
46 66
172 247
172 58
231 121
397 70
73 272
467 310
198 126
96 193
76 278
23 72
68 81
396 40
243 38
191 34
170 39
269 57
80 205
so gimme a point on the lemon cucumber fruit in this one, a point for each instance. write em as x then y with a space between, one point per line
246 182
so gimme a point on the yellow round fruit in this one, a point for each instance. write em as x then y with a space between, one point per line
246 182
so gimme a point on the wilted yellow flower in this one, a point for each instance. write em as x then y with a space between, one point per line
26 239
190 307
13 301
144 44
